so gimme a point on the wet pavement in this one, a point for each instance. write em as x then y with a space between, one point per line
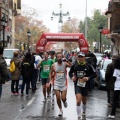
33 107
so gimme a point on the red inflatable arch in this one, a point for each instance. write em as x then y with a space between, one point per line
62 37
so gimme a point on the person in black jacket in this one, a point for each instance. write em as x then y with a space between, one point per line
80 73
110 81
91 59
3 70
116 78
27 68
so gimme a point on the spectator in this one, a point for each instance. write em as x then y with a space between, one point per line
72 57
110 81
91 59
3 70
15 76
36 59
27 68
116 78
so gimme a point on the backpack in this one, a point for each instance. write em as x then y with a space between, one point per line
25 67
26 64
26 70
12 67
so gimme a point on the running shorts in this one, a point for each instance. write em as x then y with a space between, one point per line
81 90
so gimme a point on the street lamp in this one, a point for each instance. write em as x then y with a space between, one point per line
60 14
3 24
100 31
29 34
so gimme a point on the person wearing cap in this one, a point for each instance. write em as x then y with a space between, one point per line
110 81
116 78
80 72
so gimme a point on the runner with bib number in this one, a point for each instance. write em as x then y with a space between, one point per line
80 73
59 72
45 65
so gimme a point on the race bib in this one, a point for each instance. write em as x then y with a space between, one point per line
60 74
80 74
46 68
81 83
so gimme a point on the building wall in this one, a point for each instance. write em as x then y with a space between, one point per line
113 15
16 11
6 10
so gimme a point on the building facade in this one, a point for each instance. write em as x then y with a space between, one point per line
8 9
113 15
16 11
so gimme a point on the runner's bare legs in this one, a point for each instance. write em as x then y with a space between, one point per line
63 96
58 98
48 88
44 91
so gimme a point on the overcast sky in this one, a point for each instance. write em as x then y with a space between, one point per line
76 8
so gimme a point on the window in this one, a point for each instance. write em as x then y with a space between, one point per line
10 4
5 1
18 4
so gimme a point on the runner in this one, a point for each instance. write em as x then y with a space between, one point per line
60 83
54 59
80 73
45 70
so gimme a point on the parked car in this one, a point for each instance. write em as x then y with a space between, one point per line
101 69
98 56
8 55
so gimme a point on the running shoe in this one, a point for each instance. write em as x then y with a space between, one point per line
65 104
111 116
60 113
44 100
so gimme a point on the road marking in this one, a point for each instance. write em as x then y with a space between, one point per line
21 110
31 101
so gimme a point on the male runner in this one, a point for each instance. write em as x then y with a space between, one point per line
44 74
60 81
80 73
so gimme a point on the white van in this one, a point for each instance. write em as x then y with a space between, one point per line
8 55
